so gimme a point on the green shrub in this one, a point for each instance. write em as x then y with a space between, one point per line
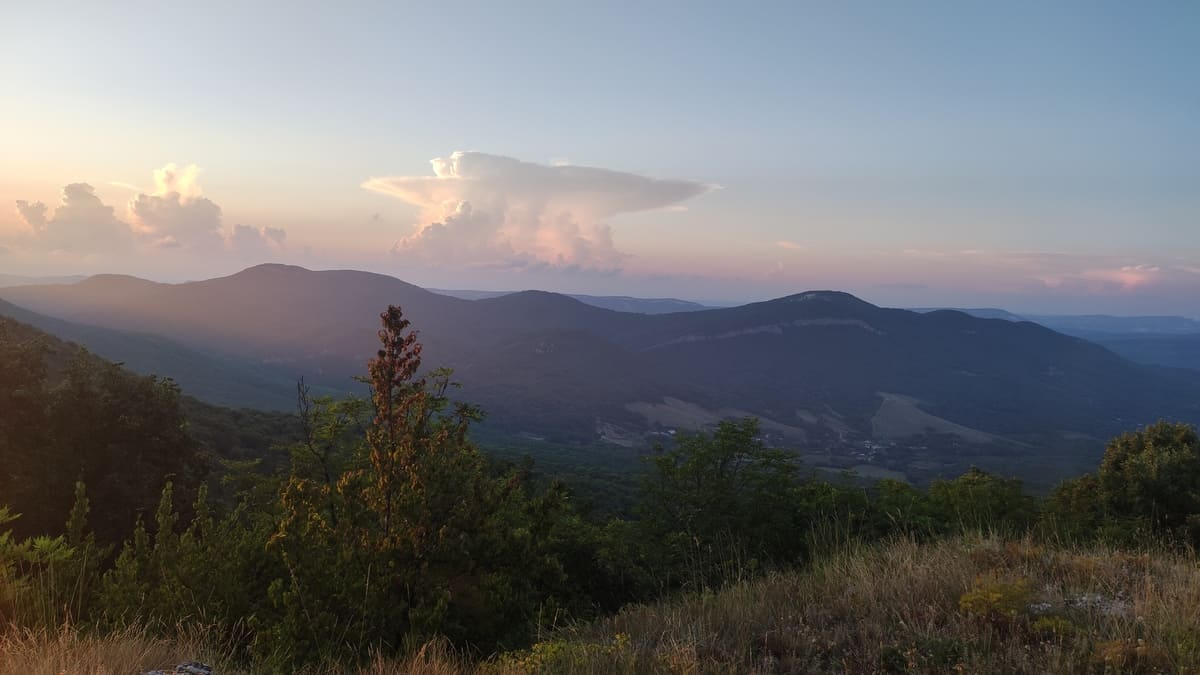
995 597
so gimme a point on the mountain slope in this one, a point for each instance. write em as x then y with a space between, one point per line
823 368
824 348
1176 351
1172 341
1090 325
273 313
617 303
17 280
1095 325
219 379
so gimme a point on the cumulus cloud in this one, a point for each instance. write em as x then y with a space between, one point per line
174 216
1090 273
33 215
1079 273
256 242
489 210
81 223
1126 277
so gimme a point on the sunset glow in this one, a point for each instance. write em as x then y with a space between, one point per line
917 156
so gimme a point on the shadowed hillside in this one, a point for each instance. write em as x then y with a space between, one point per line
824 370
220 379
617 303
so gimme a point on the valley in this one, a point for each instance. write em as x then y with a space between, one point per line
845 384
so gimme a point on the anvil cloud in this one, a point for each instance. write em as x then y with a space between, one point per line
481 210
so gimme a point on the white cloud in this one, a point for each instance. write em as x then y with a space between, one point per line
256 242
1078 273
789 245
81 224
128 186
1126 277
489 210
175 216
33 215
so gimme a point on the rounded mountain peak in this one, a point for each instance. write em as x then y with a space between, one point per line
834 298
273 269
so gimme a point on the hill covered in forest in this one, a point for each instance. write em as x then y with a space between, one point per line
618 303
729 536
1172 341
853 384
68 415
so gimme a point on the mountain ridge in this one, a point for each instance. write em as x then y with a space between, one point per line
1160 340
619 303
824 363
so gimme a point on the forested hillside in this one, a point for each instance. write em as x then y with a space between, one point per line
853 385
67 416
385 527
221 380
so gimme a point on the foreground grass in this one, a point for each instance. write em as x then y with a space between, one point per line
971 606
967 605
70 651
135 651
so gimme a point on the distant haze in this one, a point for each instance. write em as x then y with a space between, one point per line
821 368
1040 157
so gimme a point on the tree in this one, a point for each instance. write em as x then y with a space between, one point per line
1148 483
67 416
213 569
723 502
47 581
978 500
25 460
123 435
415 537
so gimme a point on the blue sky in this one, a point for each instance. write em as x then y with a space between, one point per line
1039 156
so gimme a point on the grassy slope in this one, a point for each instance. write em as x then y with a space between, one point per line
966 605
972 606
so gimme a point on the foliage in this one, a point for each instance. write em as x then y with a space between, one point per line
1130 656
47 580
1053 626
711 500
406 535
841 614
978 500
993 597
375 528
211 570
66 416
1148 484
122 435
567 656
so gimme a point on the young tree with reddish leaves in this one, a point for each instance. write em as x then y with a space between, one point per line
417 537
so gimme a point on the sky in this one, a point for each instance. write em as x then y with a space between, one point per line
1040 157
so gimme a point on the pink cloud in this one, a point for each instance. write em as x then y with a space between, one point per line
175 217
488 210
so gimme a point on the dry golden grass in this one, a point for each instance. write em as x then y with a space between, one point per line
970 605
964 605
67 650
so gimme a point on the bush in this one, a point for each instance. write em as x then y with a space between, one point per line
1148 484
993 597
